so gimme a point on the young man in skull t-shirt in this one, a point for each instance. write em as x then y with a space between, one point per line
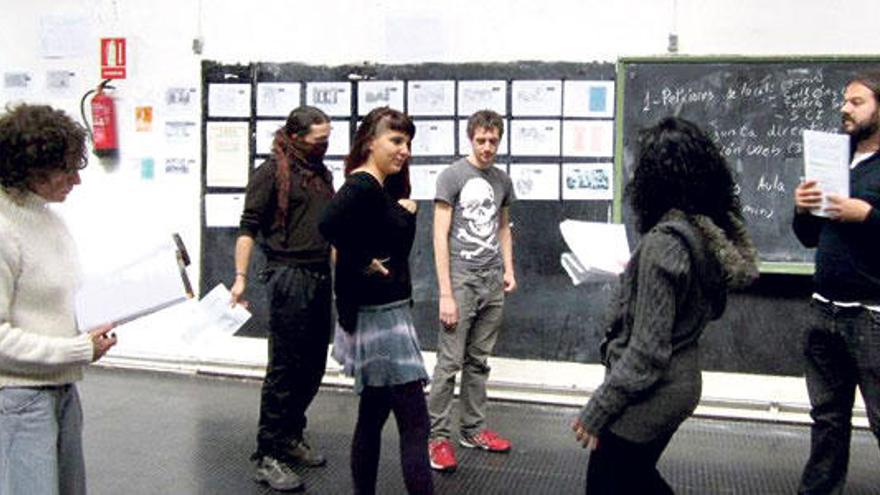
473 254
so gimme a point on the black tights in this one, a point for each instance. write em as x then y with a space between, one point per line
621 467
411 413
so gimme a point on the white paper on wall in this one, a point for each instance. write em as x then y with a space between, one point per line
229 100
431 98
535 181
337 169
481 95
423 179
534 137
340 138
223 210
334 98
265 134
589 99
227 154
537 98
434 137
373 94
587 181
277 99
591 138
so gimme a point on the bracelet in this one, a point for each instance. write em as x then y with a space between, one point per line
241 274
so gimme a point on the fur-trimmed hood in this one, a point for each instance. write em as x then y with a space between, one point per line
734 251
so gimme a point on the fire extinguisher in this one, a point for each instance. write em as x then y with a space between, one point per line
103 128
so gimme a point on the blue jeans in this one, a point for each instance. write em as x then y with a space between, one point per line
842 351
41 441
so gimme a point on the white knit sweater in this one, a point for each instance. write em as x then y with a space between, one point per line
39 341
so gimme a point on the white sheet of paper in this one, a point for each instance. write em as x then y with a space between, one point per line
373 94
66 36
587 181
431 98
826 160
464 144
151 281
598 247
537 98
534 137
337 169
180 133
229 100
213 316
340 138
227 154
277 99
334 98
588 99
265 135
588 138
181 101
481 95
223 210
423 179
434 137
535 181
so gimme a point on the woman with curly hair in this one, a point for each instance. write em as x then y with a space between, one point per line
693 250
42 352
371 223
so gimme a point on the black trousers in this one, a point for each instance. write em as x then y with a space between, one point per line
842 351
299 334
621 467
411 413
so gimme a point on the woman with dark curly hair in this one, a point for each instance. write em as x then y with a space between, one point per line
694 249
371 223
42 352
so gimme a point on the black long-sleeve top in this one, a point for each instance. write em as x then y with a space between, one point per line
848 254
299 242
364 223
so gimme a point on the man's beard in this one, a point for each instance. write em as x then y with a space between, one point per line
864 130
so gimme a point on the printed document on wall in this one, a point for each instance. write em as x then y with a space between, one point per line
227 154
826 160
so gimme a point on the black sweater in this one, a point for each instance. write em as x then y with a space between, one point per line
299 242
364 223
848 254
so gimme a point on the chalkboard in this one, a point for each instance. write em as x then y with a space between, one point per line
755 110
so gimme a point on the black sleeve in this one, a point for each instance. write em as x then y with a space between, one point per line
346 220
259 200
807 227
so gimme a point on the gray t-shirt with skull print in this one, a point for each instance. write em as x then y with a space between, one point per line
477 197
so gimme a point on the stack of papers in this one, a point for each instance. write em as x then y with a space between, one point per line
599 251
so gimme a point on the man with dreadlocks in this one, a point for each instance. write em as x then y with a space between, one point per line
286 197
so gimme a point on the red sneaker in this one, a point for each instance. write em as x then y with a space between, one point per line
486 439
442 455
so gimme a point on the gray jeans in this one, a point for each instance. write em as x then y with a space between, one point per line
479 295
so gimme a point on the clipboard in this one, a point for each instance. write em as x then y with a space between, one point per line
152 281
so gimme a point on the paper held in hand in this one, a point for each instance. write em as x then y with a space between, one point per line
150 282
826 160
599 251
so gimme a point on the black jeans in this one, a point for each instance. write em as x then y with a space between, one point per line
411 413
299 334
842 350
621 467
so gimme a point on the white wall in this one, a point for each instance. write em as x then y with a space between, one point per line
115 211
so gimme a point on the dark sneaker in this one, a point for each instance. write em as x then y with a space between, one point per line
485 439
442 455
300 452
277 475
